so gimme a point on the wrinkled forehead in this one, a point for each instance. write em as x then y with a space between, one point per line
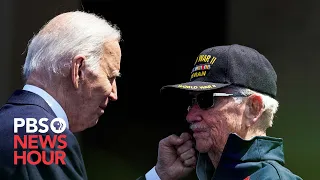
112 52
113 48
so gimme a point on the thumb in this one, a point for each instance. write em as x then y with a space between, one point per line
173 140
185 136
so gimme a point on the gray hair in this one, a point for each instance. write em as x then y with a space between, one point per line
270 105
64 37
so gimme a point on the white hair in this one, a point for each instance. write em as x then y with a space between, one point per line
64 37
270 105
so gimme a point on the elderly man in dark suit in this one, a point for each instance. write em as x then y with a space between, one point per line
70 72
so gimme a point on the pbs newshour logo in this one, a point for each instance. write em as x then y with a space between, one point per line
36 139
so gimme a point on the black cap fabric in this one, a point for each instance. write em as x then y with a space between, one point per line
238 65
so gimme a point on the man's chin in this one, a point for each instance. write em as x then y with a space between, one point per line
84 126
93 123
202 147
96 121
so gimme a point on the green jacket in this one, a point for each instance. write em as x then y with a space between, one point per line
260 158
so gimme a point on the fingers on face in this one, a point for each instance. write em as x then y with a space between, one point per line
185 136
184 147
175 140
190 162
172 140
187 154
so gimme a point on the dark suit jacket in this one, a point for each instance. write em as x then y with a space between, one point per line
25 104
141 178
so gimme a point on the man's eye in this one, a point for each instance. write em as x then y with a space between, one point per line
111 79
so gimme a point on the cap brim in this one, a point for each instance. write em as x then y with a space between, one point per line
195 86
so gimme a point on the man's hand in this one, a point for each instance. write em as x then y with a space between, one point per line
176 157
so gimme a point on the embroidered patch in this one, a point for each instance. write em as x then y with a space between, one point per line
202 64
201 67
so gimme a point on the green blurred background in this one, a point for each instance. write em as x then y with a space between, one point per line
160 43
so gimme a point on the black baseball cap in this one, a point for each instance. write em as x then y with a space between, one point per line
238 65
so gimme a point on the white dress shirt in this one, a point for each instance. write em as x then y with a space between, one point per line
152 175
55 106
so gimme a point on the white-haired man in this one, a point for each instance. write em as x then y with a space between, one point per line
70 72
233 90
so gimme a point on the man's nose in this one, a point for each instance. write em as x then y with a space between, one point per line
114 94
193 115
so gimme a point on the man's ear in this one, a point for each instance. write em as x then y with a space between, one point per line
77 70
254 109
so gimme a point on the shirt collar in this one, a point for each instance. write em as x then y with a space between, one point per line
55 106
204 168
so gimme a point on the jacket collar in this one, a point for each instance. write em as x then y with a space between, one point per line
28 98
238 151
